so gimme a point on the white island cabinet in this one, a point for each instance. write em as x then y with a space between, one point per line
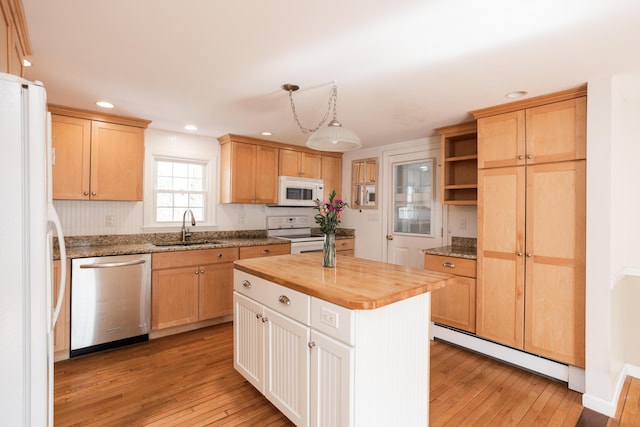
325 364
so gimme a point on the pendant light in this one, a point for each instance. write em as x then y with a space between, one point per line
332 137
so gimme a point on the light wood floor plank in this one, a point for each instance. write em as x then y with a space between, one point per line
189 380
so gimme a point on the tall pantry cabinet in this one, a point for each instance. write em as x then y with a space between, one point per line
531 225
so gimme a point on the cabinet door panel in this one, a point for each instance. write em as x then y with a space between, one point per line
501 140
500 287
555 262
557 132
266 175
248 335
71 142
117 155
332 176
311 165
174 297
243 170
215 291
331 384
455 304
287 385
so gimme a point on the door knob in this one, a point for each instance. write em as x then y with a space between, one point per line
389 236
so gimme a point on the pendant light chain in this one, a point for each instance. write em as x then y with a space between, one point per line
333 96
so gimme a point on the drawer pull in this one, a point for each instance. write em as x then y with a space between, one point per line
219 256
284 299
448 264
246 284
266 251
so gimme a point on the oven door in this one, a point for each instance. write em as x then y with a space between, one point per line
303 247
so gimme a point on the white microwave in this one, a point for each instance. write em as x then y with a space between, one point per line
293 191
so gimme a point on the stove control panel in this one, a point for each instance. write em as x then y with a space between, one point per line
280 222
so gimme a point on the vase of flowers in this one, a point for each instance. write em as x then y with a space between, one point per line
328 217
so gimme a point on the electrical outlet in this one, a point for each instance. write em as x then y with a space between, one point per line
240 219
329 317
108 221
463 224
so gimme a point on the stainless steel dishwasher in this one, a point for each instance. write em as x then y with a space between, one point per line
110 302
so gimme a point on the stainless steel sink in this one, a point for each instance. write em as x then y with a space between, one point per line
189 243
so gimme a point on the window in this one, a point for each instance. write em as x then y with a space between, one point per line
179 185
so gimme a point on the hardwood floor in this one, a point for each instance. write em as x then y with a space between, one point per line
628 413
189 380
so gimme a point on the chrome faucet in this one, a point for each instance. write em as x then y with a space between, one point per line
185 231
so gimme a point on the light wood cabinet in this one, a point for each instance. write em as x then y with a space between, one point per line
189 286
552 132
14 38
459 164
531 228
264 250
249 173
364 183
62 329
332 175
455 304
300 163
345 247
96 160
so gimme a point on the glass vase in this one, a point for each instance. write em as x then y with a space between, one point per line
329 250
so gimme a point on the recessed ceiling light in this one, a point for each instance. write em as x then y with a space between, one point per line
516 94
190 127
26 62
104 104
266 133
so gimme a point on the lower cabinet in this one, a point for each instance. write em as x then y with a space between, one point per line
188 286
455 304
345 247
308 356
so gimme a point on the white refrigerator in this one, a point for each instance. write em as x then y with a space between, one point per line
27 225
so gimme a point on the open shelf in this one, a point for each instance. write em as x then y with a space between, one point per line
459 164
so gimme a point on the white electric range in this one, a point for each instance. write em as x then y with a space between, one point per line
297 230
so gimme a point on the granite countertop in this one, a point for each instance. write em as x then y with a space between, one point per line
355 283
461 247
127 244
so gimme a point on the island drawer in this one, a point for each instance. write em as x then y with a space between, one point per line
333 320
289 302
452 265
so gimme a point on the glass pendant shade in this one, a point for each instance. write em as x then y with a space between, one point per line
334 137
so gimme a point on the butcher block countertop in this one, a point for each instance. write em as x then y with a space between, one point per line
354 283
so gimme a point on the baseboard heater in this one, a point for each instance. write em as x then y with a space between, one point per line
572 375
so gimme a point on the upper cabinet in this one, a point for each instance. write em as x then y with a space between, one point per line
249 168
524 133
332 175
96 156
299 163
459 164
14 38
364 183
248 172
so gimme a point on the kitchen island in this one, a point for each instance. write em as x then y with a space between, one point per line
344 346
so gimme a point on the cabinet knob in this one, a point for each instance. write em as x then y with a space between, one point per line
258 315
448 264
264 320
201 271
529 254
197 271
219 256
529 156
93 193
311 344
246 284
284 299
520 157
266 251
86 193
519 253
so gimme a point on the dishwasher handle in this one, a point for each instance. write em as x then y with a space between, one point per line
113 264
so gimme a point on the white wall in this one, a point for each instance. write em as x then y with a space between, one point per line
368 223
612 230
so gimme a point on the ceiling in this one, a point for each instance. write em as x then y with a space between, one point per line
402 68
